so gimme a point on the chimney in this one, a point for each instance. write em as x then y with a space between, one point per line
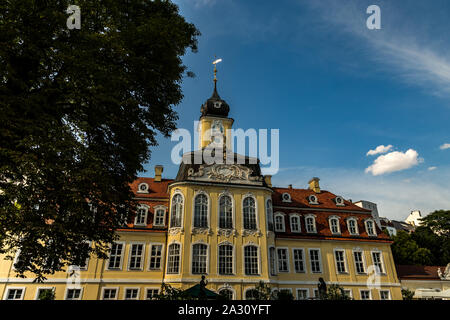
158 172
290 186
314 185
268 180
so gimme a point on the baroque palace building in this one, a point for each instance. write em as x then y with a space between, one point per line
227 222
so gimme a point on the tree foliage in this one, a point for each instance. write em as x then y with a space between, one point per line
168 292
79 110
335 292
407 294
429 244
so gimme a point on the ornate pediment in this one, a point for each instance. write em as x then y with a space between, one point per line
234 173
197 230
226 232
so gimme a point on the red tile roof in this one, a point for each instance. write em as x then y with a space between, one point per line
156 189
411 272
299 199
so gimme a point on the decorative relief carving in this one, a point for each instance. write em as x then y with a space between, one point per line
226 232
175 230
270 234
197 230
446 274
199 173
246 233
224 173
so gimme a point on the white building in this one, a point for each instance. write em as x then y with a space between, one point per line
414 218
372 207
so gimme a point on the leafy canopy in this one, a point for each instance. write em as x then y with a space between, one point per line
79 110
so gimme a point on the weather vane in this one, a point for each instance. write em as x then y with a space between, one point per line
215 62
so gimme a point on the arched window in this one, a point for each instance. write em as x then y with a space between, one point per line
334 225
201 211
279 223
226 293
249 214
177 211
225 259
225 212
269 212
310 224
199 258
370 228
251 294
251 260
352 226
295 223
173 260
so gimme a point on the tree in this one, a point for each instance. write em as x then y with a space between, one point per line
336 292
79 110
407 294
406 251
262 291
169 293
47 294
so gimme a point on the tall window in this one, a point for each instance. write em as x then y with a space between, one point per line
315 259
279 223
352 228
159 218
269 212
115 256
177 211
199 257
295 223
155 257
136 252
141 216
359 262
340 261
251 260
272 261
226 259
378 261
249 214
299 260
310 224
225 213
283 263
334 226
173 263
370 228
201 211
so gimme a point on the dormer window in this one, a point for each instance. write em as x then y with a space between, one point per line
141 216
143 188
334 225
339 201
279 222
286 197
370 228
217 104
352 226
313 199
295 223
310 223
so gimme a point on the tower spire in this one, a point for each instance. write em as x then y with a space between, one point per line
215 62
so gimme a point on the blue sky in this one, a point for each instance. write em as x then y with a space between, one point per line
335 90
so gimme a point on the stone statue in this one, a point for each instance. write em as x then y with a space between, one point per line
322 286
203 284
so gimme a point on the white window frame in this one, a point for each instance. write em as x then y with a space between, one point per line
368 290
320 260
388 293
356 226
374 234
145 207
138 296
66 294
334 218
258 255
383 272
303 259
208 209
150 288
207 258
233 260
344 262
292 217
303 289
139 188
122 256
142 256
110 288
363 261
275 267
6 294
150 248
283 224
233 217
155 210
43 288
269 217
286 249
180 260
310 215
182 213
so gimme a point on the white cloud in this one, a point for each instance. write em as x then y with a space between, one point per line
445 146
379 149
432 168
394 161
